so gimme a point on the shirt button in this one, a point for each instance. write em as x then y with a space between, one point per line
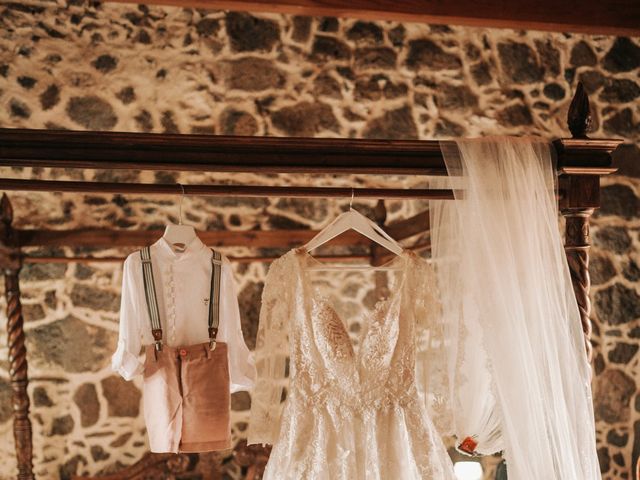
183 352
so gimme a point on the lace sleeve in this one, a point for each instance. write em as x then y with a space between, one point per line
271 355
433 369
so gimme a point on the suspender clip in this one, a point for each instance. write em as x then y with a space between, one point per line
212 344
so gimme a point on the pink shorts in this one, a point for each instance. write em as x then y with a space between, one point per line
186 398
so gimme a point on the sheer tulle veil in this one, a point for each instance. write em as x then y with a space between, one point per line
519 377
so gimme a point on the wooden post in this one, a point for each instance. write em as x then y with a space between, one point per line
11 263
581 163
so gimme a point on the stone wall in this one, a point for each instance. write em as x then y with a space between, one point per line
87 65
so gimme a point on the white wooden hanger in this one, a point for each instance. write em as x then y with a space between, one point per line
353 220
179 236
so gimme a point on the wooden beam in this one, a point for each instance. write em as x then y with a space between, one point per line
28 185
213 153
614 17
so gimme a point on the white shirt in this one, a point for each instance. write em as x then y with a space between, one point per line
182 281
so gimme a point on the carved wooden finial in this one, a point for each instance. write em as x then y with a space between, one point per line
579 117
6 210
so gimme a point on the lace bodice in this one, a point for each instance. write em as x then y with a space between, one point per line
301 328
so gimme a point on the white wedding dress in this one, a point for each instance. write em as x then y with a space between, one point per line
350 413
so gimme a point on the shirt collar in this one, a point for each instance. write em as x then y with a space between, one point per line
192 248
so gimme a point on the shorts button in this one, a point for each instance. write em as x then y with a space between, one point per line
183 352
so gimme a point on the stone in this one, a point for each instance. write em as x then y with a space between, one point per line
519 63
365 32
240 401
312 210
481 73
455 97
236 122
62 425
83 272
42 271
601 269
631 271
325 85
50 97
52 32
619 200
447 129
549 57
396 35
143 37
621 123
32 312
98 453
613 239
27 82
622 353
123 398
472 51
617 439
427 54
623 56
619 90
592 80
105 63
249 301
144 121
383 58
283 222
301 29
248 33
70 468
86 398
71 344
635 454
515 115
92 112
121 440
254 74
326 48
554 91
397 124
627 158
41 398
617 305
612 394
88 296
19 109
582 55
328 24
168 122
305 119
603 459
207 26
6 395
377 87
126 95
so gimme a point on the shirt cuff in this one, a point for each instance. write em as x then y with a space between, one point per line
125 363
243 376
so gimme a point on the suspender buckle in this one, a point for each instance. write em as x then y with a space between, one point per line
213 333
158 345
216 261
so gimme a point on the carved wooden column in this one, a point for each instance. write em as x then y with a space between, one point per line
581 163
11 263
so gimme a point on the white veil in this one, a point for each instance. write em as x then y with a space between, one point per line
521 381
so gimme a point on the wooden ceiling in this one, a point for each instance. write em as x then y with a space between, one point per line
611 17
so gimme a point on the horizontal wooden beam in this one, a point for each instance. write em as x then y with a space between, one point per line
28 185
106 238
214 153
614 17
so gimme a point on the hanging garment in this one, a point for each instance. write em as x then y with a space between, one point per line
186 388
351 415
520 380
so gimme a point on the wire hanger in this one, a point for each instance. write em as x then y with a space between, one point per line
354 220
180 235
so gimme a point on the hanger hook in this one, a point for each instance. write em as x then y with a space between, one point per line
353 194
180 207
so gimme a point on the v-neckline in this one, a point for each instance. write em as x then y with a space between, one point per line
396 296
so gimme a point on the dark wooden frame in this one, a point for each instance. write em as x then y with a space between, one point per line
581 163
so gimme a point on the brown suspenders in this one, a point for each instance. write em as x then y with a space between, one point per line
152 299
